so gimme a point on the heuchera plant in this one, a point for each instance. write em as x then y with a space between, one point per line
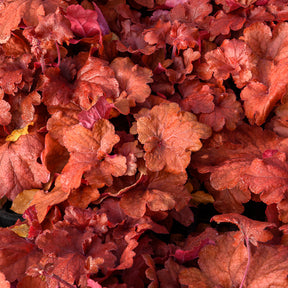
122 121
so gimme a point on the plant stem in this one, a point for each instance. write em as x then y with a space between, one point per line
248 261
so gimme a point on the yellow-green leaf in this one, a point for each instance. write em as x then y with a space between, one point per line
18 132
200 197
21 230
23 200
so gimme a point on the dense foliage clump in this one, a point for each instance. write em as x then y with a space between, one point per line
123 123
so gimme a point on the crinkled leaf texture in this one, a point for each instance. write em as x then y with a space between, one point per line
229 157
18 162
169 136
160 191
88 149
123 122
224 264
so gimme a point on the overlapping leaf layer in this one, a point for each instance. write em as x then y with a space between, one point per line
120 121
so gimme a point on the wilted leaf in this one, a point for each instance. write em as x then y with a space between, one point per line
201 197
21 230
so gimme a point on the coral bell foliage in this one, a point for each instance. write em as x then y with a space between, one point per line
129 129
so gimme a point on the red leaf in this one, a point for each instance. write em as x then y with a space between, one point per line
157 191
5 115
83 196
60 122
169 276
101 174
232 57
87 153
253 230
268 267
101 110
23 108
35 228
151 271
269 178
132 39
53 27
270 75
16 255
231 253
56 89
93 284
230 5
95 79
19 164
183 36
223 23
229 156
279 122
84 218
44 201
157 35
197 97
194 244
15 74
193 276
266 263
29 10
192 11
54 156
133 80
84 23
227 111
158 131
